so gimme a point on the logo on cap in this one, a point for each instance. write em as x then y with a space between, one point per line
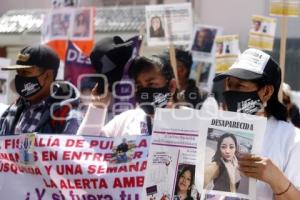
23 57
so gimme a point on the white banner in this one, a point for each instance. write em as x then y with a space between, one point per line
42 167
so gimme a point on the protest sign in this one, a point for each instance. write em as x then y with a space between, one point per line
288 8
64 167
227 51
202 45
69 23
262 33
186 143
171 23
203 73
76 64
4 81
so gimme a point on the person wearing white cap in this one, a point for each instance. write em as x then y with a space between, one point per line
251 86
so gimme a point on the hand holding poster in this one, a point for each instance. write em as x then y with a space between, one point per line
169 23
72 167
227 51
262 33
187 156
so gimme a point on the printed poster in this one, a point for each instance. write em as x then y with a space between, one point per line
187 156
169 23
202 43
262 33
72 167
69 24
227 51
203 73
288 8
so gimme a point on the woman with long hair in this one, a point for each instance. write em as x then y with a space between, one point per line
184 183
223 174
156 29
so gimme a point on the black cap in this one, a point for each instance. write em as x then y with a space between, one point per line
40 56
110 55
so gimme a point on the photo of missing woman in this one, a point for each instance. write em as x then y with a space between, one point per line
156 28
221 162
82 24
204 40
185 183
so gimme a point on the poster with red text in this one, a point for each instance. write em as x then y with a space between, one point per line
62 167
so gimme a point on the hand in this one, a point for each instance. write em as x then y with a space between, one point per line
101 100
259 168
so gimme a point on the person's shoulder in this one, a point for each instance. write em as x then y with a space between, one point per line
283 130
132 113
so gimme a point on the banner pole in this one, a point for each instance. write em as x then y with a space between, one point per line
172 54
283 34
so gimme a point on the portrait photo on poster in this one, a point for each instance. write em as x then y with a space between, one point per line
185 183
204 39
221 161
123 151
60 24
82 24
156 29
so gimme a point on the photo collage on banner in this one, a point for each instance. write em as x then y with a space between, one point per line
288 8
68 24
169 23
187 157
4 81
262 33
73 167
202 46
227 51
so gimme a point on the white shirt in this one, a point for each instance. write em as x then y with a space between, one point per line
282 145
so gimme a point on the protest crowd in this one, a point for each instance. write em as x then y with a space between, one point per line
200 119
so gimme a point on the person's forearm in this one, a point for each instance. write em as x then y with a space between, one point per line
283 189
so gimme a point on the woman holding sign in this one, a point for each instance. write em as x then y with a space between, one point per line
251 86
223 172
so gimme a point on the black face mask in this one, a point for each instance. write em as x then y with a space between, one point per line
151 98
243 102
27 86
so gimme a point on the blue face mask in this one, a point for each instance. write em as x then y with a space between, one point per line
243 102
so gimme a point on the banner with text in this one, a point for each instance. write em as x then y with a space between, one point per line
288 8
58 167
227 51
262 33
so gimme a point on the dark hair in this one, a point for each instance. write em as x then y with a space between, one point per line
209 35
274 107
183 170
142 64
218 155
160 32
186 58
